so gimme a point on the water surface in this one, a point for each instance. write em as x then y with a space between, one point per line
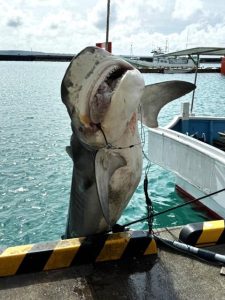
35 171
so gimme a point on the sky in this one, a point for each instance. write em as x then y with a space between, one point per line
136 26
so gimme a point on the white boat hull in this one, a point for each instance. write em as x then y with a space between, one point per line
178 70
199 167
210 204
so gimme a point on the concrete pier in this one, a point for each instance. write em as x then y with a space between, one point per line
170 275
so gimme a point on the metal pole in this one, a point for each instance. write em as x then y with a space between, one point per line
107 26
196 73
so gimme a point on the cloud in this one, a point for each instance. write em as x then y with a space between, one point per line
14 22
68 26
183 10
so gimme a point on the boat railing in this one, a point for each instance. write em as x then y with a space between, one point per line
168 135
202 128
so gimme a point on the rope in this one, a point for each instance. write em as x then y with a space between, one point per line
201 254
114 147
172 208
111 146
148 204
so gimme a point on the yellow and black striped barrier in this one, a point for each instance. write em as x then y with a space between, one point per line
203 234
77 251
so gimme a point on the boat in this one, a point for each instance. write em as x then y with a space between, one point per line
193 148
168 65
177 70
172 63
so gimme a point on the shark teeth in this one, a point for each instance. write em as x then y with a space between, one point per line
100 99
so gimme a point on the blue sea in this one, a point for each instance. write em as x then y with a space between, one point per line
35 170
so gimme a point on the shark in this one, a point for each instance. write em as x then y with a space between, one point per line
103 95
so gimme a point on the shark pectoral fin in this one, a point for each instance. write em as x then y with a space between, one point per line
106 163
155 96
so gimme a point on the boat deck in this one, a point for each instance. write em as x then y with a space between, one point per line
169 276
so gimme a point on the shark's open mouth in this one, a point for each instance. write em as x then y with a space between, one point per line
101 100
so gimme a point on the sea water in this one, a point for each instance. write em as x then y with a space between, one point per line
35 170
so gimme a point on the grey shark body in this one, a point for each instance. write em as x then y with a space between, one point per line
93 169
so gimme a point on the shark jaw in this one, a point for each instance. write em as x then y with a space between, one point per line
91 85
